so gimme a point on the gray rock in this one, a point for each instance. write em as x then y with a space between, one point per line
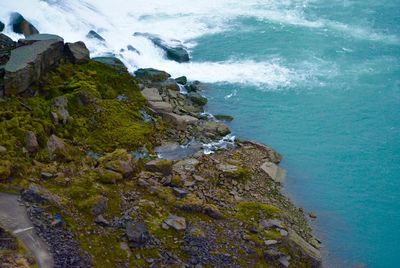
272 223
227 168
272 255
197 99
176 222
31 142
180 193
28 63
53 144
137 233
162 166
21 25
33 195
179 121
152 75
46 176
186 165
310 252
160 106
100 220
273 171
270 242
152 94
60 114
217 128
112 62
101 206
77 52
94 35
284 260
29 40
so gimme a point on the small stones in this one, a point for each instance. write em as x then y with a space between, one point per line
180 193
176 222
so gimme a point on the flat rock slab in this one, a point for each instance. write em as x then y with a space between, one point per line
13 218
28 63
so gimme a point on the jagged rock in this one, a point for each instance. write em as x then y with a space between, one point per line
160 106
197 99
176 222
137 233
28 63
1 26
60 114
162 166
273 171
152 75
94 35
100 220
181 80
272 223
21 25
112 62
31 142
176 53
180 193
179 121
55 145
152 94
169 84
309 252
77 52
101 206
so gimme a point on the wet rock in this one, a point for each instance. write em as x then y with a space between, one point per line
100 220
181 80
179 121
131 48
180 193
101 206
197 99
94 35
27 64
152 94
6 45
137 233
21 25
176 52
312 215
60 114
77 52
223 117
31 142
176 222
1 26
193 86
112 62
273 171
162 166
272 223
152 75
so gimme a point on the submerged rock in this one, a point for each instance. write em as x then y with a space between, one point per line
21 25
176 53
77 52
27 64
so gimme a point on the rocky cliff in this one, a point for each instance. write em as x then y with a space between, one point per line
112 169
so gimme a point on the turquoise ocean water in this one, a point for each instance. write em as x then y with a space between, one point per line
317 80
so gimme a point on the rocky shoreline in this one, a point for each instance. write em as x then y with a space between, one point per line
113 171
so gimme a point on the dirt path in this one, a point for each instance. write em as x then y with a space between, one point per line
13 217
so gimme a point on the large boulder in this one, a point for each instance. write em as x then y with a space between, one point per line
181 122
151 94
77 52
152 75
112 62
21 25
176 52
29 40
27 64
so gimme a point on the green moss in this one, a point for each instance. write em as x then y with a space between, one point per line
250 212
110 177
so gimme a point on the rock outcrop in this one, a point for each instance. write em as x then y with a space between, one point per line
21 25
77 52
27 64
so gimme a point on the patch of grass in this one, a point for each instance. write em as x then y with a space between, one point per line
250 212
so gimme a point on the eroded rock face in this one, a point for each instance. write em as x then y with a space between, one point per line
77 52
28 63
21 25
